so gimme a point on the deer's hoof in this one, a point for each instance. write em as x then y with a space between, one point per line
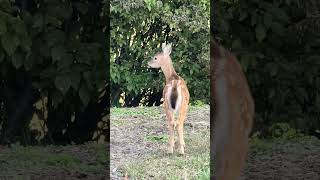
170 150
181 151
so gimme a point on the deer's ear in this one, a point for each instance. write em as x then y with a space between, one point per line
166 48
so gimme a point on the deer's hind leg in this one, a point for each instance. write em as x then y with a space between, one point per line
170 118
180 124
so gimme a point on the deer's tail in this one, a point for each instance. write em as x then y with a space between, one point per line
175 97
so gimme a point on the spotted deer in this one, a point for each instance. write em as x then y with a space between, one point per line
233 111
175 95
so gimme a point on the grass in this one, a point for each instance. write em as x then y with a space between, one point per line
158 138
267 145
199 107
21 158
149 125
154 111
194 165
138 111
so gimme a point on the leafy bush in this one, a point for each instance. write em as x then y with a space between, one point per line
138 27
283 131
277 44
51 69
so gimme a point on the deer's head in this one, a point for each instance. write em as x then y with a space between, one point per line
162 58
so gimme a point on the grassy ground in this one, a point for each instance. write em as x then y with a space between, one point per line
88 161
284 159
139 143
138 147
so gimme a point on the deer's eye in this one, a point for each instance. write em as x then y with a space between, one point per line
155 58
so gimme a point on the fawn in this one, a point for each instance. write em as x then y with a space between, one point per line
233 113
175 94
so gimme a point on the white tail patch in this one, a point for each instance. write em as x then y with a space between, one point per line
168 95
179 100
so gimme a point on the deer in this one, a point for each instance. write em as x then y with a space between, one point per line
233 113
176 97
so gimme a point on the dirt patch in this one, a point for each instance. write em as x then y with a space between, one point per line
285 160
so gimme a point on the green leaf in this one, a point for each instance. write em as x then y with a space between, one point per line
274 71
243 15
267 19
278 28
279 14
236 44
66 61
64 10
244 61
57 98
83 57
17 60
260 32
26 43
84 94
75 80
52 20
38 21
3 26
55 38
19 26
254 19
83 8
10 43
2 55
57 53
28 62
62 83
48 72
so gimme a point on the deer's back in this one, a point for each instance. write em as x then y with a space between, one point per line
233 114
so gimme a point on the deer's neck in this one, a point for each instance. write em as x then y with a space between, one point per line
168 71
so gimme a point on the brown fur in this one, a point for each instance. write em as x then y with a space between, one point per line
231 130
171 93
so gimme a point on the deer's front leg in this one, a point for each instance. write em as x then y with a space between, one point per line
171 130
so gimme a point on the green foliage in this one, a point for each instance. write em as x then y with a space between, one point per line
278 47
283 131
54 50
198 103
138 28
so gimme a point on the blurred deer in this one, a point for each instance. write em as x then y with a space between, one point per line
175 95
233 113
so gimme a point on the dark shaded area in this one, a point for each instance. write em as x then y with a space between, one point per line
53 69
85 161
278 46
